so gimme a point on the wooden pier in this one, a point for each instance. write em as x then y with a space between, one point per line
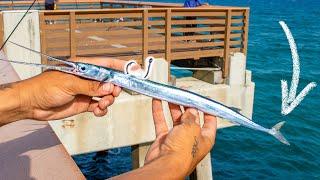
173 33
134 30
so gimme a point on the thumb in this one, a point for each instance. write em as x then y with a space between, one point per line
91 88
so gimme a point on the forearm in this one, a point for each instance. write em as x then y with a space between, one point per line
165 167
11 104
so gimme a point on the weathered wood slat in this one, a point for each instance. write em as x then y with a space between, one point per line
109 24
88 51
123 41
197 54
43 40
210 21
186 45
237 13
157 14
237 21
57 17
156 31
198 37
199 14
109 16
236 28
235 49
56 26
235 35
73 41
226 52
59 53
199 29
158 22
235 43
168 36
145 34
109 34
246 30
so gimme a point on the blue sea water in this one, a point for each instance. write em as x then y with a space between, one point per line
241 153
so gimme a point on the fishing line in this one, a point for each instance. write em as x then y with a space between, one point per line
45 55
37 65
14 29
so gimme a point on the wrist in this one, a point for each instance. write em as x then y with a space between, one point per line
173 166
170 166
13 106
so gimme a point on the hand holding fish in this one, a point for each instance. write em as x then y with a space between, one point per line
55 95
175 153
188 140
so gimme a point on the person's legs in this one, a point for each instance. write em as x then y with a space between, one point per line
49 6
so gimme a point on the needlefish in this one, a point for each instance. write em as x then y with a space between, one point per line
138 82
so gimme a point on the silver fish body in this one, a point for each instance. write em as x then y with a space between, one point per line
187 98
160 91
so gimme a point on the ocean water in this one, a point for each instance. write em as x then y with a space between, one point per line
241 153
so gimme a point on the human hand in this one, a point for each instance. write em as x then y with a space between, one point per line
55 95
187 142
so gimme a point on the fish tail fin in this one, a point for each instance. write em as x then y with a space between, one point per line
275 131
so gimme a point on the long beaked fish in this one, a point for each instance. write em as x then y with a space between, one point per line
153 89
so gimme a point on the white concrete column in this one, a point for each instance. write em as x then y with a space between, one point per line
237 69
236 80
27 34
241 88
248 98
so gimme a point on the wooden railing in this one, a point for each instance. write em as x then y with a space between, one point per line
171 33
85 4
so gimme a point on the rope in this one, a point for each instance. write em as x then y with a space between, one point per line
5 42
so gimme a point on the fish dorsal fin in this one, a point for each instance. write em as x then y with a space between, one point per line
235 109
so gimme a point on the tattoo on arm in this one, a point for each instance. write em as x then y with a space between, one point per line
194 147
5 86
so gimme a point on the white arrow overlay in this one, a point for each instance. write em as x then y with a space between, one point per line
290 101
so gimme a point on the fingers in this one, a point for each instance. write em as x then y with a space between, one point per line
176 113
190 116
209 127
158 117
97 111
106 101
116 91
91 88
102 61
208 135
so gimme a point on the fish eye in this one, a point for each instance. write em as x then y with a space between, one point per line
82 68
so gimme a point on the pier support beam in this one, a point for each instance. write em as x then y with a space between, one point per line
241 88
27 34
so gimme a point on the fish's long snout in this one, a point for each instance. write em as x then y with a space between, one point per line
52 67
72 65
